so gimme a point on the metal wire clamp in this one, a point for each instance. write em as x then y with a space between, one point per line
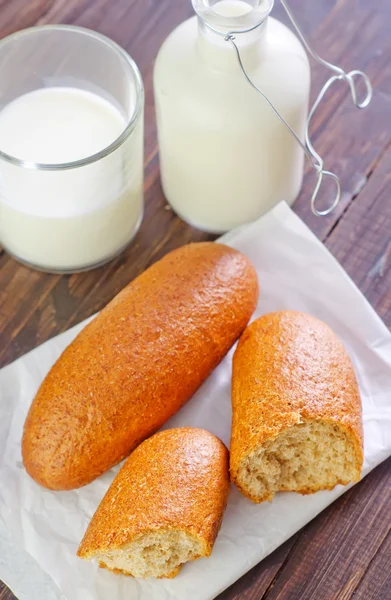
350 78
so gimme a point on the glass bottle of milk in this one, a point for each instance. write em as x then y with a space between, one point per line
225 157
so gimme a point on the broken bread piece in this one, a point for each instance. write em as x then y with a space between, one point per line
164 508
296 409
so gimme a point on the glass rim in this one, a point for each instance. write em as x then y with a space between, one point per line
221 24
131 122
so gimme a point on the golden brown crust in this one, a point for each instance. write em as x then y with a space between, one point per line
289 368
176 480
137 363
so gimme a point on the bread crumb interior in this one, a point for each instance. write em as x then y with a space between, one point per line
154 554
307 457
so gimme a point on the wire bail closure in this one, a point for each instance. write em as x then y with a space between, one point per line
351 78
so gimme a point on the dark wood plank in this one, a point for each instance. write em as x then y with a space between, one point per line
5 593
311 14
350 140
377 582
19 14
361 241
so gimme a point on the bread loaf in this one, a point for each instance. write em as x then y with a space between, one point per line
137 363
297 423
164 507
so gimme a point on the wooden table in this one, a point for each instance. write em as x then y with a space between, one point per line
346 551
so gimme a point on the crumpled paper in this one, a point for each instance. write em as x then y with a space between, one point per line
40 530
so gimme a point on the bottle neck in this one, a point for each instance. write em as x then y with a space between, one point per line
218 52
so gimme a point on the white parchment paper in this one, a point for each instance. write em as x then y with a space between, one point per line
40 530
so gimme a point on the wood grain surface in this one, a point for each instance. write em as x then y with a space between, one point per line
346 551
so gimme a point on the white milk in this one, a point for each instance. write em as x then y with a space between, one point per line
232 8
68 219
225 157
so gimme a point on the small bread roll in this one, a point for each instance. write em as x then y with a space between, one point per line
297 422
164 507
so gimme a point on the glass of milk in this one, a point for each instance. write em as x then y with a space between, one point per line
71 148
